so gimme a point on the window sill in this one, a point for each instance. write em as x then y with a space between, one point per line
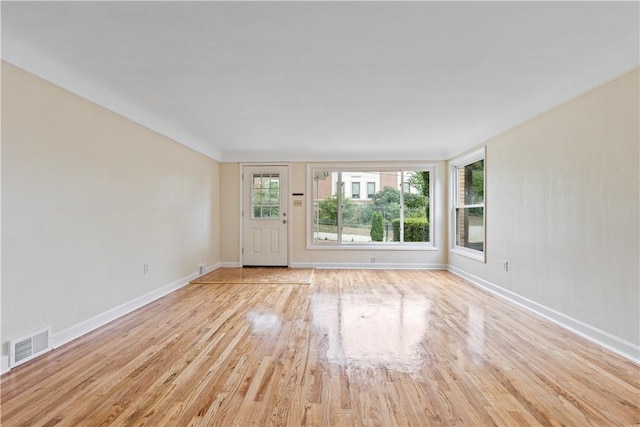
468 253
370 247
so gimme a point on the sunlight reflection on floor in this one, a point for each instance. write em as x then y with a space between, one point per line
368 331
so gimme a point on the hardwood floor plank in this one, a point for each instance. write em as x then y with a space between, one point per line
356 347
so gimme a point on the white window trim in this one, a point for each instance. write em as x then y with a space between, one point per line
432 168
466 159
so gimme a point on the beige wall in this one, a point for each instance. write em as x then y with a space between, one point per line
562 208
88 197
230 213
300 255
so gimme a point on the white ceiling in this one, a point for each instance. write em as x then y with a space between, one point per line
287 81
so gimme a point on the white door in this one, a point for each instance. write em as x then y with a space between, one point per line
264 216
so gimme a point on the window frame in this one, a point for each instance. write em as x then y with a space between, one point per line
339 168
454 165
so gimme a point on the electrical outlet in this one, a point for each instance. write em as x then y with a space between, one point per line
505 265
145 268
373 260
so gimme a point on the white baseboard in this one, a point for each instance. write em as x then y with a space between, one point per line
229 265
617 345
88 325
369 266
354 265
4 364
95 322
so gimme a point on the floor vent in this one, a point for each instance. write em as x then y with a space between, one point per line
29 346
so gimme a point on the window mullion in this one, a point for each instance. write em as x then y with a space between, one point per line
339 208
401 206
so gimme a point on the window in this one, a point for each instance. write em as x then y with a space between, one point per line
355 190
468 219
265 195
371 190
398 215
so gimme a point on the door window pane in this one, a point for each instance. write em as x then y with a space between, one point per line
265 196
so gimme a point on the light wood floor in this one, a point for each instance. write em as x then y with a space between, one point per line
291 276
386 348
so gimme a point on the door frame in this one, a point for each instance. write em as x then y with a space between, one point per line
288 203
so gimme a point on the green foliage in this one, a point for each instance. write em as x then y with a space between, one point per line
420 181
415 229
365 212
329 210
387 201
474 182
387 196
377 228
415 201
391 212
395 226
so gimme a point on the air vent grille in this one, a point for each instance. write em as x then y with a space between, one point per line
29 346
